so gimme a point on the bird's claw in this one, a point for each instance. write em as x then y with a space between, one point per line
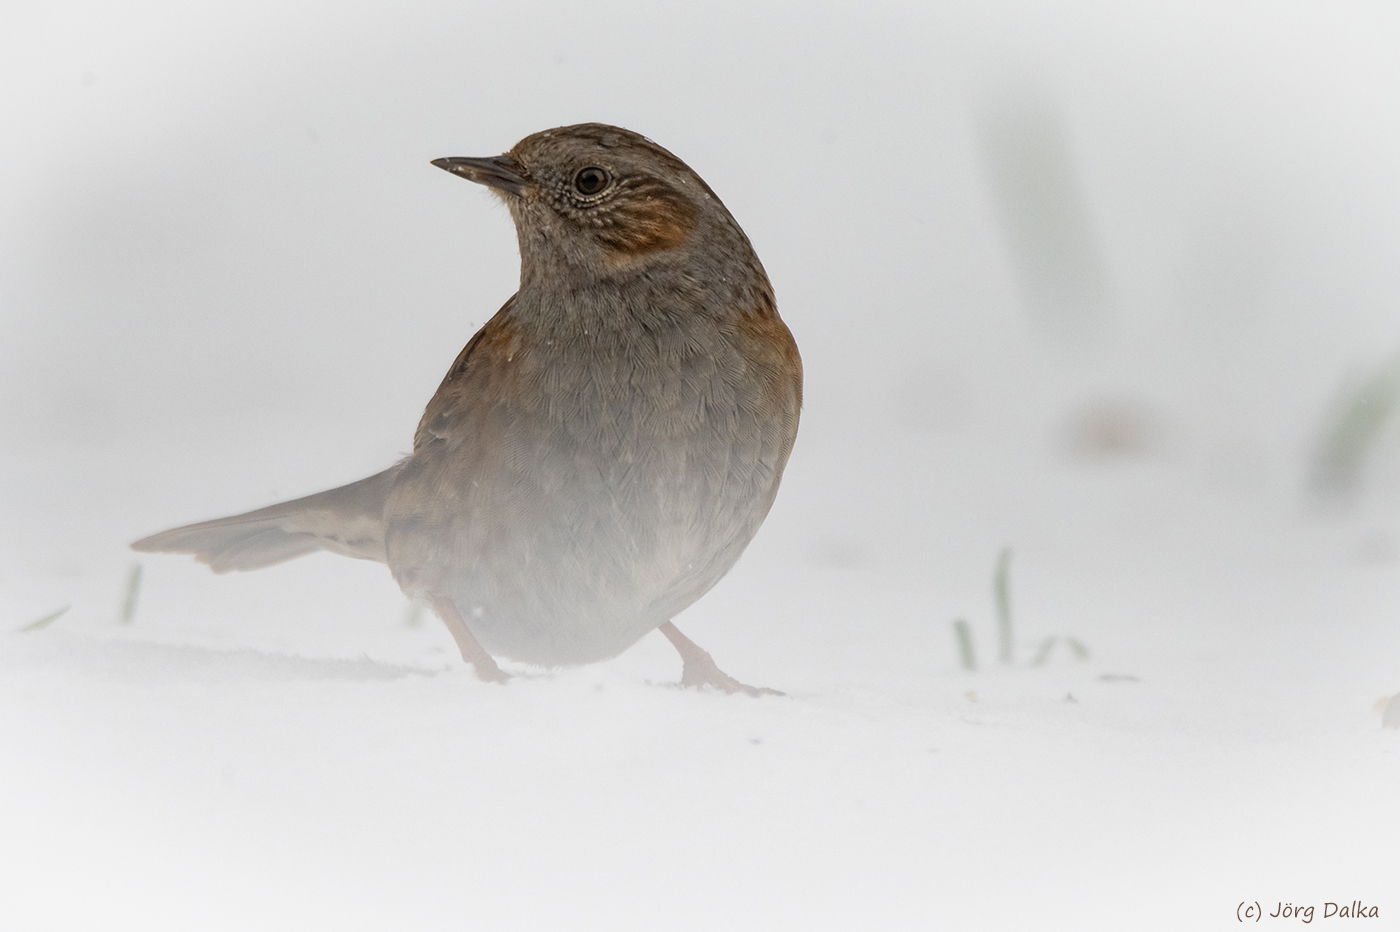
703 672
491 674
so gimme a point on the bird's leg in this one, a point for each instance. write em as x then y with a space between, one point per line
698 668
472 651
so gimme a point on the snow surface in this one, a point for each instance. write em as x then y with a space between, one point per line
228 275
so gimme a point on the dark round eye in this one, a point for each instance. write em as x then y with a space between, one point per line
590 181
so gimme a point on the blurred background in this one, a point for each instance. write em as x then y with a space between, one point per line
1114 285
1047 263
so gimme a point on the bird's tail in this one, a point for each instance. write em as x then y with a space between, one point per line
348 520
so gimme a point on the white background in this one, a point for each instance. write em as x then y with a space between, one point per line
229 275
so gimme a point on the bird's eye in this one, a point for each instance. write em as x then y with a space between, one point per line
590 181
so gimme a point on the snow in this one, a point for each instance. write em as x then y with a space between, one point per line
228 275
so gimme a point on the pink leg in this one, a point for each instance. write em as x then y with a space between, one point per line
698 668
472 651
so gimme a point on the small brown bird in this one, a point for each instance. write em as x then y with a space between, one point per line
604 448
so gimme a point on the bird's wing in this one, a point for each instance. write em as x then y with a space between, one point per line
468 387
348 520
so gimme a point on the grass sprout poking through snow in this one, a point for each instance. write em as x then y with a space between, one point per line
1001 591
964 636
1075 646
1353 431
47 620
133 590
1001 596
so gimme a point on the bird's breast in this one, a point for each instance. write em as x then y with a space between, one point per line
596 478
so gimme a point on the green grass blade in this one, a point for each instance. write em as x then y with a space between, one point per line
133 590
964 638
46 620
1001 591
1043 654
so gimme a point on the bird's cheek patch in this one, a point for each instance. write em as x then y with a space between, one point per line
661 222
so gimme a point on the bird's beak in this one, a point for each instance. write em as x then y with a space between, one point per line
499 171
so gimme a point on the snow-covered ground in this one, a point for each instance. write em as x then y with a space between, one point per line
1087 281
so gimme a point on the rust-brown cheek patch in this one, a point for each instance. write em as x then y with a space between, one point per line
647 223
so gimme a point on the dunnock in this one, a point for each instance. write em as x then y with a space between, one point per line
602 450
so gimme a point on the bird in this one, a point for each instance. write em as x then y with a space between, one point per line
602 450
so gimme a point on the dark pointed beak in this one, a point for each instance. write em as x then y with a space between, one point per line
499 171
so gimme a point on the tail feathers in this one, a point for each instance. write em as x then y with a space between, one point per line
348 520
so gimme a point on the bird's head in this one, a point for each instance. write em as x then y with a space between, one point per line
594 201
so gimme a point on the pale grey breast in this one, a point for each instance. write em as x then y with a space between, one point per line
631 458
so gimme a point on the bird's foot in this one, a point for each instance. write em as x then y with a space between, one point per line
487 671
702 672
699 670
472 651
